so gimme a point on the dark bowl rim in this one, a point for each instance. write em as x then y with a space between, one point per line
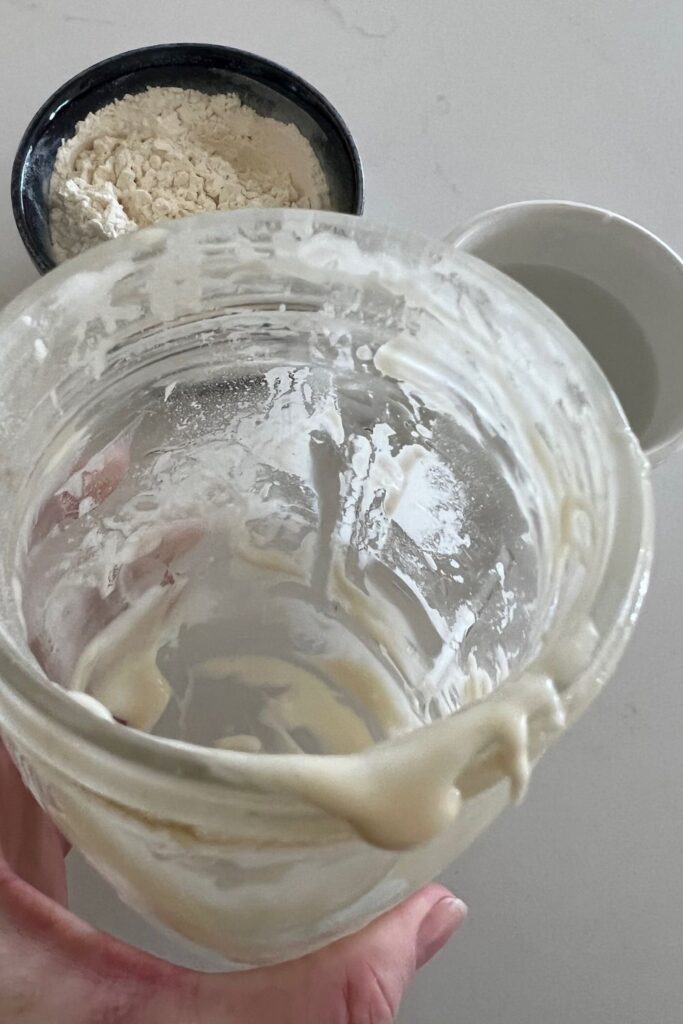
62 95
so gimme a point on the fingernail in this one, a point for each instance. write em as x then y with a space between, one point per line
437 928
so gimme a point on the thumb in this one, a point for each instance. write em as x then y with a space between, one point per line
411 934
358 980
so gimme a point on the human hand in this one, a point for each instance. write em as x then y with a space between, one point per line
55 969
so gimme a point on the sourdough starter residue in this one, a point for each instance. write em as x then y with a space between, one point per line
305 541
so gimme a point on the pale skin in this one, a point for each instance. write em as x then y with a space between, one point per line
55 969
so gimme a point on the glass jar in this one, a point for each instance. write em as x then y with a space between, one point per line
410 468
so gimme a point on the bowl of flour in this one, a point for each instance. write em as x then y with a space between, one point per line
170 131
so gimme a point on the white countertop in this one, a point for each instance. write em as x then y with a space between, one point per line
576 899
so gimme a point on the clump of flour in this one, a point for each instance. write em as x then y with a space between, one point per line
169 152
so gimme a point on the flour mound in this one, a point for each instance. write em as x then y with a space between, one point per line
169 152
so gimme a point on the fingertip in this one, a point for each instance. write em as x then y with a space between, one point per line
438 926
416 929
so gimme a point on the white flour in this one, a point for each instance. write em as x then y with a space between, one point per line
171 152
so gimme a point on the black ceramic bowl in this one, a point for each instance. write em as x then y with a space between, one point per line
267 87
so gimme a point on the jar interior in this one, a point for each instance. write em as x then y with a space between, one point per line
244 535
